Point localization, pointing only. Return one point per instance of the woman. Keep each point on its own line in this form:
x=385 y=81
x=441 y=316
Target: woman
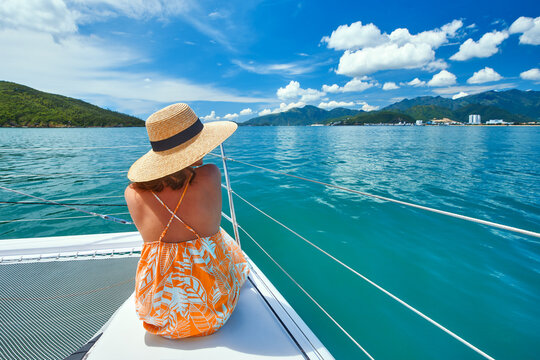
x=189 y=275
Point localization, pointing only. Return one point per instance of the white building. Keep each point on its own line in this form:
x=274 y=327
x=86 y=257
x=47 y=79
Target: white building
x=496 y=122
x=474 y=119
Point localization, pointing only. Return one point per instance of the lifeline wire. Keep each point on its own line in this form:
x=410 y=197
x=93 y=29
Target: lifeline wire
x=104 y=217
x=48 y=203
x=71 y=148
x=418 y=312
x=307 y=294
x=62 y=174
x=442 y=212
x=58 y=218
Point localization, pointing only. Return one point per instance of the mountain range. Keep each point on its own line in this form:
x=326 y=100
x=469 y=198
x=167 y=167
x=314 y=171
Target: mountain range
x=512 y=106
x=306 y=115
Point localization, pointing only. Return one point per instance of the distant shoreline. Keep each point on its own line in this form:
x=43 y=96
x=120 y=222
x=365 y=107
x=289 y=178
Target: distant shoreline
x=68 y=127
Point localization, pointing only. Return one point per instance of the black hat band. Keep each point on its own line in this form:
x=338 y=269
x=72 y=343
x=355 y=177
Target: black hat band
x=178 y=139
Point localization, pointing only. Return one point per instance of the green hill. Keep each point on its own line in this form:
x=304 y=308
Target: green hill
x=306 y=115
x=22 y=106
x=428 y=112
x=514 y=101
x=373 y=117
x=406 y=104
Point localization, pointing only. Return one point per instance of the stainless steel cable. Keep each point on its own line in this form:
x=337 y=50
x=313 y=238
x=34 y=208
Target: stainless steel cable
x=61 y=218
x=418 y=312
x=308 y=295
x=442 y=212
x=102 y=216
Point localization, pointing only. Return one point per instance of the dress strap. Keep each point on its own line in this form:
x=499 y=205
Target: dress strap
x=173 y=213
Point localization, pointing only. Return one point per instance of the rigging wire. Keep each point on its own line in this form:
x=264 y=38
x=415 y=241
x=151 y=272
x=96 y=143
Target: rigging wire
x=308 y=295
x=58 y=218
x=102 y=216
x=442 y=212
x=90 y=198
x=418 y=312
x=62 y=174
x=48 y=203
x=71 y=148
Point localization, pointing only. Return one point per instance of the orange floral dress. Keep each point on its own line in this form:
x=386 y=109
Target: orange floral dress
x=188 y=288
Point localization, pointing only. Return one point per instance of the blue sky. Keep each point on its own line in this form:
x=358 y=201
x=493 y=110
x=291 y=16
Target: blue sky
x=239 y=59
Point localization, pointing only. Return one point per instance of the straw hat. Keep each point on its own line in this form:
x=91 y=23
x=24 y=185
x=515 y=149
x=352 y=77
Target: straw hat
x=178 y=139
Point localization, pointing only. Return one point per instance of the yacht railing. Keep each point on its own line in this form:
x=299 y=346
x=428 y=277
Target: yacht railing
x=229 y=194
x=236 y=226
x=386 y=292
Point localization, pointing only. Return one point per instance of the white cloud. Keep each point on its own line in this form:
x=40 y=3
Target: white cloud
x=293 y=91
x=368 y=51
x=310 y=95
x=190 y=11
x=416 y=82
x=472 y=89
x=529 y=28
x=355 y=36
x=434 y=38
x=366 y=106
x=135 y=9
x=231 y=116
x=485 y=47
x=459 y=95
x=354 y=85
x=282 y=107
x=292 y=68
x=385 y=57
x=532 y=74
x=265 y=112
x=436 y=65
x=487 y=74
x=357 y=85
x=390 y=86
x=285 y=107
x=247 y=111
x=216 y=15
x=358 y=36
x=444 y=78
x=331 y=89
x=211 y=116
x=49 y=16
x=334 y=104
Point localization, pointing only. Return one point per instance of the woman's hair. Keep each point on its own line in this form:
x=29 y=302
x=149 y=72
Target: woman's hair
x=174 y=181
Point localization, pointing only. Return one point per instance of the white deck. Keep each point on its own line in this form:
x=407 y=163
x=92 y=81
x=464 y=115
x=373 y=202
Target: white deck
x=263 y=324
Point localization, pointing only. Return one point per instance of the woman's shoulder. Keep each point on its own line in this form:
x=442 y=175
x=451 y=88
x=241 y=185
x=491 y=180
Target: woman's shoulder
x=208 y=173
x=132 y=195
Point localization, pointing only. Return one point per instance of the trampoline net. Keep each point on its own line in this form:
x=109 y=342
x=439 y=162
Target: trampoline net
x=48 y=310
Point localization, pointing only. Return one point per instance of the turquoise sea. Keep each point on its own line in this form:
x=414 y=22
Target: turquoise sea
x=480 y=282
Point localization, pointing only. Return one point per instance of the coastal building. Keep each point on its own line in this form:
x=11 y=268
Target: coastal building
x=444 y=121
x=475 y=119
x=497 y=122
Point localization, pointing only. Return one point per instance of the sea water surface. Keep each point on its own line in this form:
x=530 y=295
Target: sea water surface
x=480 y=282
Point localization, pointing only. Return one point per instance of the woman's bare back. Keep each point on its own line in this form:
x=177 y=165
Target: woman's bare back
x=200 y=208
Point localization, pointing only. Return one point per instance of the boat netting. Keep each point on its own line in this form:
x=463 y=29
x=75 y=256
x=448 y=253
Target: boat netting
x=48 y=310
